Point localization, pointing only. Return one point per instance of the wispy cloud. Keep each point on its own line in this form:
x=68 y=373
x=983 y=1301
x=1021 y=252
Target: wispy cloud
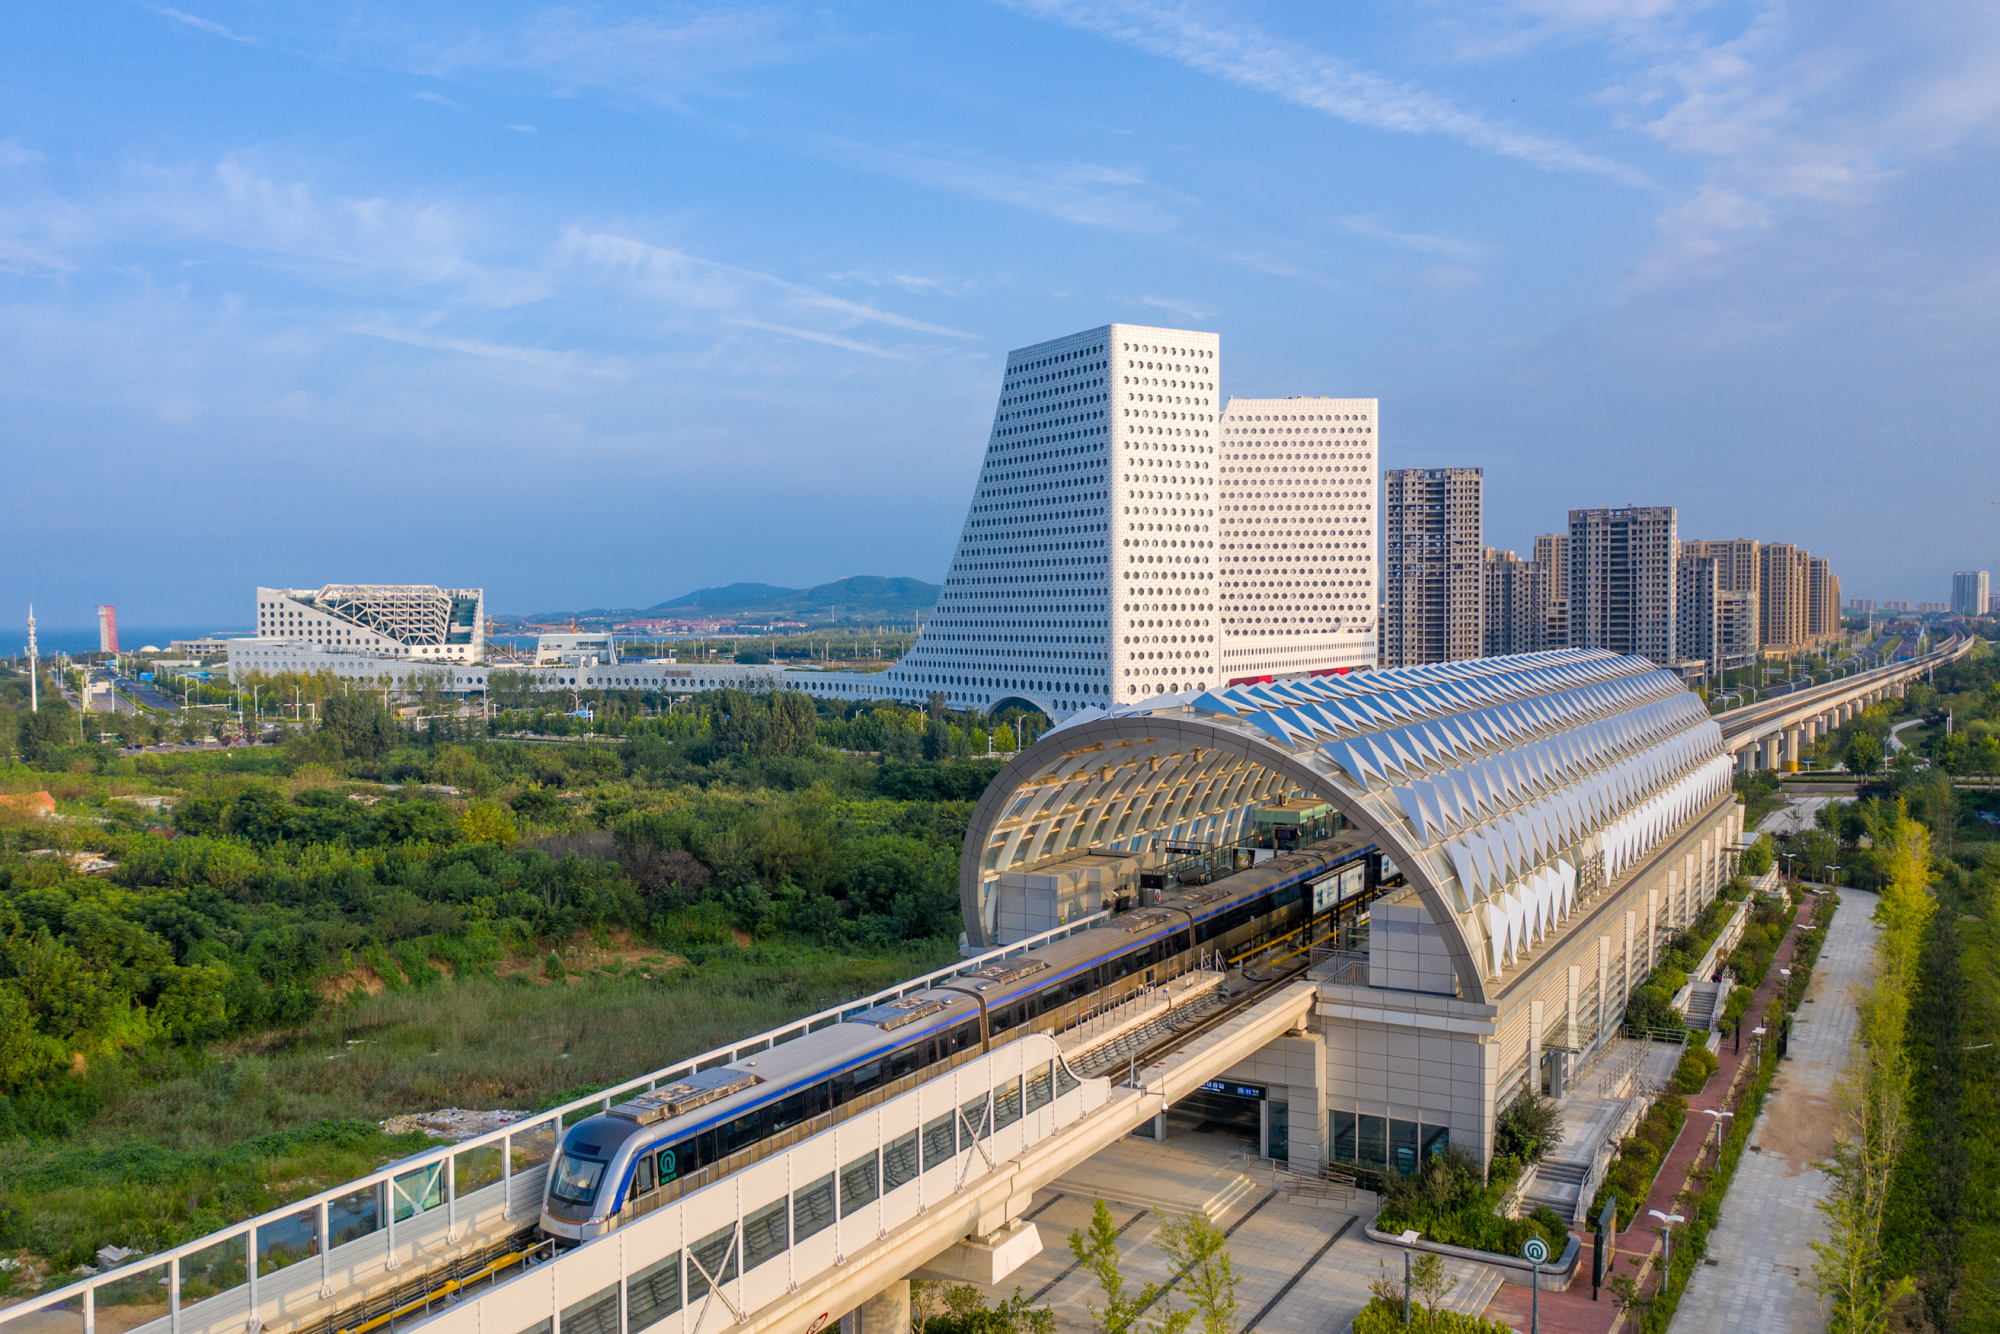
x=1187 y=308
x=542 y=358
x=1372 y=228
x=206 y=25
x=816 y=336
x=1246 y=55
x=16 y=257
x=439 y=98
x=1088 y=193
x=523 y=129
x=14 y=154
x=1450 y=278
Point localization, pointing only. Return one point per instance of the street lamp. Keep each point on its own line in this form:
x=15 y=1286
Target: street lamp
x=1407 y=1238
x=1836 y=873
x=1720 y=1117
x=1666 y=1241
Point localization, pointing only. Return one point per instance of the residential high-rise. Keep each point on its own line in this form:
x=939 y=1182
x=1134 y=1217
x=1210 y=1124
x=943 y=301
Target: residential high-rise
x=1697 y=608
x=1432 y=565
x=1970 y=593
x=1736 y=562
x=1516 y=597
x=1621 y=580
x=1783 y=581
x=107 y=629
x=1086 y=571
x=1735 y=629
x=1552 y=554
x=1822 y=600
x=1297 y=525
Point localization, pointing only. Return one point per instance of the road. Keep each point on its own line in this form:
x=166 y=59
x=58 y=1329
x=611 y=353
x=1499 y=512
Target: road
x=1896 y=742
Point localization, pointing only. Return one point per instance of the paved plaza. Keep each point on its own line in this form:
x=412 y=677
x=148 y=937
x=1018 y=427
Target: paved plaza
x=1759 y=1267
x=1305 y=1262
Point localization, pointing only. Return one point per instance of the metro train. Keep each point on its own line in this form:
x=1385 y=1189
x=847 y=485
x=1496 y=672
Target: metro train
x=657 y=1146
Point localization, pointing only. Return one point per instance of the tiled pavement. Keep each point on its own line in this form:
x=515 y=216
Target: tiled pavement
x=1305 y=1266
x=1573 y=1312
x=1759 y=1256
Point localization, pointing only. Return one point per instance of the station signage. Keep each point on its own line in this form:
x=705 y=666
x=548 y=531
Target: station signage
x=1229 y=1088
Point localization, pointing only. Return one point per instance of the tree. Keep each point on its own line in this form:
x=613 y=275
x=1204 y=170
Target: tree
x=1430 y=1284
x=1121 y=1310
x=360 y=723
x=42 y=735
x=1195 y=1245
x=1529 y=1127
x=1756 y=858
x=487 y=822
x=1864 y=754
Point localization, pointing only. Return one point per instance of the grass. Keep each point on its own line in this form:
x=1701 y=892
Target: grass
x=183 y=1143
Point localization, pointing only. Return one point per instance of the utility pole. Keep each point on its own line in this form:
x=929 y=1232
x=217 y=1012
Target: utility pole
x=34 y=696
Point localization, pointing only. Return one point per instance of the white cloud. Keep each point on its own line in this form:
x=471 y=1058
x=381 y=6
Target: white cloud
x=1450 y=277
x=1248 y=56
x=540 y=358
x=439 y=98
x=14 y=154
x=1187 y=308
x=1371 y=227
x=815 y=336
x=1088 y=193
x=523 y=129
x=206 y=25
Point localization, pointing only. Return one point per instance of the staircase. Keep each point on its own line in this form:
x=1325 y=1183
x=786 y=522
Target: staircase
x=1704 y=999
x=1558 y=1184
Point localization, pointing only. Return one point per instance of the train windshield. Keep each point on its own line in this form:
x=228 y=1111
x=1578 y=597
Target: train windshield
x=574 y=1180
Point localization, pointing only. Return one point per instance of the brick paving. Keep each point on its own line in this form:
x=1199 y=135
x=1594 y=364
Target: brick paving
x=1635 y=1251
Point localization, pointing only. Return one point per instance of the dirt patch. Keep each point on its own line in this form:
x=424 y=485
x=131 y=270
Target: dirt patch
x=1798 y=1125
x=363 y=979
x=618 y=956
x=744 y=940
x=451 y=1123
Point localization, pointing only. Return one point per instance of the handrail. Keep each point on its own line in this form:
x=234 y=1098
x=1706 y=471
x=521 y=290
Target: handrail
x=552 y=1119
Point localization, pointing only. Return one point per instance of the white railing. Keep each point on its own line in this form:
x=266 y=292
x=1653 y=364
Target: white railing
x=388 y=1218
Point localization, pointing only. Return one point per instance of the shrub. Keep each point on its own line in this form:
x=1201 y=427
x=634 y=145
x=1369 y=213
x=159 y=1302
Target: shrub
x=1383 y=1316
x=1649 y=1007
x=1732 y=1013
x=1448 y=1203
x=1639 y=1157
x=1529 y=1127
x=1696 y=1065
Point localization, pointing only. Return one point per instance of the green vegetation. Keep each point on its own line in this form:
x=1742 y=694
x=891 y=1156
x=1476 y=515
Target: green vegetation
x=960 y=1308
x=1697 y=1063
x=1639 y=1157
x=1527 y=1128
x=1384 y=1315
x=1941 y=1224
x=1453 y=1203
x=1650 y=1007
x=300 y=940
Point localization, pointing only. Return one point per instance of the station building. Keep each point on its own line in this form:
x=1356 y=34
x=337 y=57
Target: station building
x=1539 y=827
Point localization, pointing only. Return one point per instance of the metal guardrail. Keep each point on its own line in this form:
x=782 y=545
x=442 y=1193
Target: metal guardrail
x=404 y=1192
x=1751 y=716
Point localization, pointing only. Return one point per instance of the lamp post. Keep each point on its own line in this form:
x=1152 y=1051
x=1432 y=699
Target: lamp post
x=1666 y=1241
x=1720 y=1117
x=1409 y=1236
x=1836 y=873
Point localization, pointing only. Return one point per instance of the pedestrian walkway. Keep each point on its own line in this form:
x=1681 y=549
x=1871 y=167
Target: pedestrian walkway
x=1759 y=1267
x=1635 y=1252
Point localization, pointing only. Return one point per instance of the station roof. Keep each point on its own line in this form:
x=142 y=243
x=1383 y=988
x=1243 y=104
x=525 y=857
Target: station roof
x=1509 y=790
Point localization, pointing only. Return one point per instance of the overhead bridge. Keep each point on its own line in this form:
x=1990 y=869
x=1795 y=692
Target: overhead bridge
x=1774 y=733
x=928 y=1177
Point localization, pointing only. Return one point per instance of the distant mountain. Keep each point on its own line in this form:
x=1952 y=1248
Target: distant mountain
x=860 y=597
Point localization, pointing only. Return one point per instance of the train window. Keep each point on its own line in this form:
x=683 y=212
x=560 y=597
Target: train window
x=1007 y=1104
x=1082 y=984
x=867 y=1076
x=574 y=1180
x=642 y=1176
x=1065 y=1081
x=899 y=1162
x=1039 y=1095
x=907 y=1060
x=974 y=1113
x=812 y=1209
x=765 y=1234
x=742 y=1132
x=860 y=1183
x=940 y=1141
x=653 y=1294
x=959 y=1038
x=593 y=1315
x=1287 y=896
x=711 y=1258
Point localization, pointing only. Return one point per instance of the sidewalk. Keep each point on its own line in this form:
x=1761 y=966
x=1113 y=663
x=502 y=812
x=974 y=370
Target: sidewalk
x=1760 y=1254
x=1573 y=1312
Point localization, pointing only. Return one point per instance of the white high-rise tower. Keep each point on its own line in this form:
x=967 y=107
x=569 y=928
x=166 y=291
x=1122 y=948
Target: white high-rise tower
x=1298 y=529
x=1085 y=573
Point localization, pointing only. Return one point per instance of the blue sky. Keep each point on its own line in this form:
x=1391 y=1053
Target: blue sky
x=596 y=304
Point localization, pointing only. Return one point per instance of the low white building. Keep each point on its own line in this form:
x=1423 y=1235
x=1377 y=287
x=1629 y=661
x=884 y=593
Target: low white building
x=420 y=622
